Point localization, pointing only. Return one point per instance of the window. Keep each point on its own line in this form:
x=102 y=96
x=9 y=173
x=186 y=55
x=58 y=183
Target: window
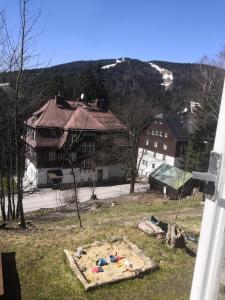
x=59 y=156
x=153 y=166
x=156 y=132
x=83 y=147
x=87 y=164
x=155 y=144
x=144 y=162
x=164 y=146
x=88 y=147
x=164 y=157
x=74 y=138
x=82 y=164
x=154 y=154
x=146 y=151
x=73 y=156
x=160 y=122
x=161 y=133
x=51 y=155
x=31 y=132
x=89 y=133
x=147 y=142
x=166 y=135
x=153 y=132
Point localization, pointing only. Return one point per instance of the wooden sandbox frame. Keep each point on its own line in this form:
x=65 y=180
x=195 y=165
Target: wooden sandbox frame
x=148 y=265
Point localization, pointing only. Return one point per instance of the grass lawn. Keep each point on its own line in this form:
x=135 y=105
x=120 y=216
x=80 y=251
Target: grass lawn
x=40 y=261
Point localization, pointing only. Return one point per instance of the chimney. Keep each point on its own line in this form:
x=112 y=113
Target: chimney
x=60 y=100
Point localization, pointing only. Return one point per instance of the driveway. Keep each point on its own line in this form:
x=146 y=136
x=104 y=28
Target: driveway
x=45 y=198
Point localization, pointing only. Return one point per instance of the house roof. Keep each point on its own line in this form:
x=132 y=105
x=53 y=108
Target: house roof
x=50 y=115
x=174 y=123
x=87 y=119
x=74 y=116
x=171 y=176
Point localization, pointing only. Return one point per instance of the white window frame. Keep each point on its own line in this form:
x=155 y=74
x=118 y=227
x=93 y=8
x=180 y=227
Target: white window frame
x=165 y=146
x=166 y=135
x=155 y=144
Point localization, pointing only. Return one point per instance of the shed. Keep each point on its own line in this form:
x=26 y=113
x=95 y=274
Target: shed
x=171 y=181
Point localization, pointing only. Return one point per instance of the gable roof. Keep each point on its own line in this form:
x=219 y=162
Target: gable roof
x=174 y=123
x=74 y=116
x=171 y=176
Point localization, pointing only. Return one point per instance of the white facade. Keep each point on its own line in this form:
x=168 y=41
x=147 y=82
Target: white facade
x=35 y=177
x=148 y=161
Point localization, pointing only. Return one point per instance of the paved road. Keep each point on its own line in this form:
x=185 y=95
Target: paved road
x=45 y=198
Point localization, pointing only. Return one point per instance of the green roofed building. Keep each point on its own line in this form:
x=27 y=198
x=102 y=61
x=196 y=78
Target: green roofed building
x=171 y=181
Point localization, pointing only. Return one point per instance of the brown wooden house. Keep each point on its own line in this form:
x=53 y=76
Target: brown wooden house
x=69 y=133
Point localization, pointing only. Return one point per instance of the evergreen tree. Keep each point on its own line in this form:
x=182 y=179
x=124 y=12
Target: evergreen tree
x=92 y=84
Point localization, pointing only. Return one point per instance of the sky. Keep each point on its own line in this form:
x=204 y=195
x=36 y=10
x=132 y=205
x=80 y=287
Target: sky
x=171 y=30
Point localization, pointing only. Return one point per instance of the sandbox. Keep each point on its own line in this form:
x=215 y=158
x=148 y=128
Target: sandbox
x=112 y=272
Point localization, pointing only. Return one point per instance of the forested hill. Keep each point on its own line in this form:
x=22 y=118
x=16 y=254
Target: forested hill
x=165 y=89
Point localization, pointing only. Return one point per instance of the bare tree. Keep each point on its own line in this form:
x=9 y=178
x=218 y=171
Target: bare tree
x=15 y=57
x=135 y=113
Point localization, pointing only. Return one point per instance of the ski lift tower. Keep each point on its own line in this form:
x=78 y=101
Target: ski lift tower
x=211 y=248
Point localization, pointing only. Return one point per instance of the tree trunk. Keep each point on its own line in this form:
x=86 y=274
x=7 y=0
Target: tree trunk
x=13 y=198
x=9 y=213
x=132 y=184
x=75 y=195
x=2 y=199
x=20 y=198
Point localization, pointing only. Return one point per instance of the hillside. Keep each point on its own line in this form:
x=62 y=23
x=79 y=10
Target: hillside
x=168 y=91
